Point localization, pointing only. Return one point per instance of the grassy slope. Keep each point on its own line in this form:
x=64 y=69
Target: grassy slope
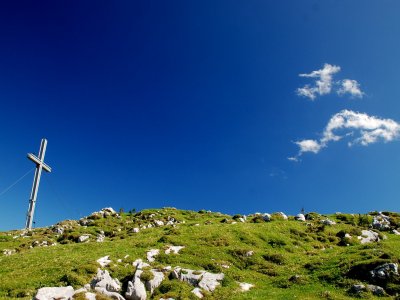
x=281 y=249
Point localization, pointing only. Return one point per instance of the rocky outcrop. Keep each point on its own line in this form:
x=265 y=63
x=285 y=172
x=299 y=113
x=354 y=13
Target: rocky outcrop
x=59 y=293
x=103 y=280
x=381 y=222
x=300 y=217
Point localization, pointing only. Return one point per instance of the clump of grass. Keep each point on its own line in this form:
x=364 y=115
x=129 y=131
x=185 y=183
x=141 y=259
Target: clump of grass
x=275 y=258
x=73 y=279
x=146 y=275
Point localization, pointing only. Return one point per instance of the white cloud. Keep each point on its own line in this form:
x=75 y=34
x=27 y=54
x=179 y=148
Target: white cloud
x=350 y=86
x=309 y=146
x=363 y=129
x=323 y=85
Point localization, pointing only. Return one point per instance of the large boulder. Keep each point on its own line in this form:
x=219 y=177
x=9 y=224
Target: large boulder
x=59 y=293
x=300 y=217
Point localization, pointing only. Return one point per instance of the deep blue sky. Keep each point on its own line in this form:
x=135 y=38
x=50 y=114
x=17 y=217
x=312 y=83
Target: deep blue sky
x=192 y=104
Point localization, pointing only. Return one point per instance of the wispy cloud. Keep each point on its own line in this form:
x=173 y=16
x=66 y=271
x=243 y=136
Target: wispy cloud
x=352 y=87
x=363 y=129
x=324 y=84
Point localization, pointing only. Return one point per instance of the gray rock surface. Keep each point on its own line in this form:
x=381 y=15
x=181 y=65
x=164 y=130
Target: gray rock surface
x=368 y=236
x=59 y=293
x=385 y=271
x=151 y=285
x=300 y=217
x=104 y=280
x=136 y=289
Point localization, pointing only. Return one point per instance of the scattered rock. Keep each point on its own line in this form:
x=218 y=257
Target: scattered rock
x=139 y=264
x=282 y=215
x=249 y=253
x=83 y=238
x=59 y=293
x=104 y=261
x=384 y=272
x=135 y=230
x=112 y=295
x=244 y=287
x=151 y=254
x=205 y=280
x=300 y=217
x=381 y=222
x=395 y=232
x=241 y=220
x=368 y=236
x=174 y=249
x=328 y=222
x=376 y=290
x=266 y=217
x=105 y=281
x=8 y=252
x=136 y=289
x=197 y=293
x=159 y=223
x=100 y=238
x=154 y=283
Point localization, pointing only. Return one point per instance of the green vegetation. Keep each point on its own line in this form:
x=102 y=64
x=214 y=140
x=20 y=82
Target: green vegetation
x=284 y=259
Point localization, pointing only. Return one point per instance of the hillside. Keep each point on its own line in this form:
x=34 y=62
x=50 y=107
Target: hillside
x=259 y=256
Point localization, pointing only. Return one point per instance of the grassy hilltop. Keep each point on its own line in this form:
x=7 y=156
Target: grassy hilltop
x=283 y=259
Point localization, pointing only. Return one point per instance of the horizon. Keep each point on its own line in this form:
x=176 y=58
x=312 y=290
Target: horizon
x=228 y=107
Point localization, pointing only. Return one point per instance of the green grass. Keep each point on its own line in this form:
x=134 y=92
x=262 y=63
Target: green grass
x=282 y=249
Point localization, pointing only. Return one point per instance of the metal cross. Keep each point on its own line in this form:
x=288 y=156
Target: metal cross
x=40 y=165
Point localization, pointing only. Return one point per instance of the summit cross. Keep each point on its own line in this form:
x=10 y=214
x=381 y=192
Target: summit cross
x=40 y=165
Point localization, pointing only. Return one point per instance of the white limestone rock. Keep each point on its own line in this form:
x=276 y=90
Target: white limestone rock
x=368 y=236
x=8 y=252
x=205 y=280
x=104 y=261
x=136 y=230
x=154 y=283
x=282 y=215
x=174 y=249
x=136 y=289
x=159 y=223
x=100 y=238
x=151 y=254
x=328 y=222
x=394 y=231
x=210 y=281
x=300 y=217
x=139 y=264
x=266 y=217
x=381 y=222
x=90 y=296
x=59 y=293
x=104 y=280
x=83 y=238
x=197 y=293
x=112 y=295
x=244 y=287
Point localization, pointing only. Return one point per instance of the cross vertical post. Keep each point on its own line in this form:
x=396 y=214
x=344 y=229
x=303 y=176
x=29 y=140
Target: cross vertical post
x=40 y=165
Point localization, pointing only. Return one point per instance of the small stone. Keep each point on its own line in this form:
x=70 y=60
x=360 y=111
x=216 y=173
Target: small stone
x=244 y=287
x=174 y=249
x=104 y=261
x=83 y=238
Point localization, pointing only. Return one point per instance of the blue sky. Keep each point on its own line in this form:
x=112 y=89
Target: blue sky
x=195 y=104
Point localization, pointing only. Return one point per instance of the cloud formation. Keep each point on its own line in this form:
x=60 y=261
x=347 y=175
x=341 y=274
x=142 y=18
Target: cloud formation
x=351 y=87
x=363 y=129
x=324 y=84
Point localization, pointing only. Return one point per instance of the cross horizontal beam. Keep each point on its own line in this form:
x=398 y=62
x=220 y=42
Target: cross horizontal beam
x=38 y=162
